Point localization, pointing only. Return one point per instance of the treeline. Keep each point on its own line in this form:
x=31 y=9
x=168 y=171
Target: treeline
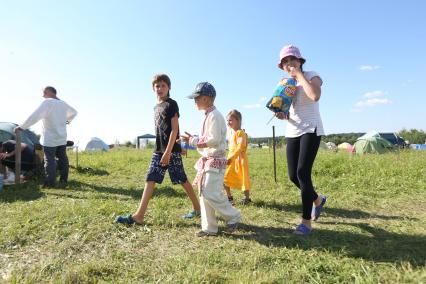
x=335 y=138
x=342 y=137
x=413 y=136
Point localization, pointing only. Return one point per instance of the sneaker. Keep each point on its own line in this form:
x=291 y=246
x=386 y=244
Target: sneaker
x=10 y=179
x=316 y=211
x=230 y=228
x=302 y=229
x=125 y=219
x=202 y=233
x=245 y=201
x=191 y=215
x=231 y=200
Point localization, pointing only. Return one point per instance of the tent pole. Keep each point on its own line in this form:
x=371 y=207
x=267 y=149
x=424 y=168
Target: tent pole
x=275 y=160
x=18 y=158
x=76 y=159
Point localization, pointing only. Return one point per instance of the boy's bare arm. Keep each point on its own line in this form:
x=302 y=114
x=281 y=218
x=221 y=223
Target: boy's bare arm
x=172 y=140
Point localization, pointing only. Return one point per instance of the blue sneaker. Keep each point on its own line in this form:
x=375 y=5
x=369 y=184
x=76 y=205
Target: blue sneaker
x=316 y=211
x=302 y=229
x=126 y=220
x=192 y=215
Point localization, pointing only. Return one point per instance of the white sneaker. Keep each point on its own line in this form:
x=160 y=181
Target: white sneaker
x=10 y=178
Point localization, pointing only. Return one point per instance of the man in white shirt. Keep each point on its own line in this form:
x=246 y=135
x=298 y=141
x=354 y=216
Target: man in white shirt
x=55 y=115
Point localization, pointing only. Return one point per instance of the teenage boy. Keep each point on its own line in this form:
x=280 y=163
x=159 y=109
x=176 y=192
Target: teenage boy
x=167 y=153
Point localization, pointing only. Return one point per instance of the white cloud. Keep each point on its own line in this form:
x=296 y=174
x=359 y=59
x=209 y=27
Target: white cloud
x=369 y=67
x=374 y=94
x=408 y=82
x=372 y=102
x=258 y=104
x=252 y=106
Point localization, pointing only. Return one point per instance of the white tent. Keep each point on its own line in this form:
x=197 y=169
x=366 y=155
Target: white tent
x=95 y=144
x=331 y=146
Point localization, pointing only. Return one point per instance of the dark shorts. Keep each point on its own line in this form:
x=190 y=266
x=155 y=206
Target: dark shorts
x=156 y=172
x=10 y=163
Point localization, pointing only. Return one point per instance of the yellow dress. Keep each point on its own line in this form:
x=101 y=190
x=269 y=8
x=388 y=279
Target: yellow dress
x=237 y=172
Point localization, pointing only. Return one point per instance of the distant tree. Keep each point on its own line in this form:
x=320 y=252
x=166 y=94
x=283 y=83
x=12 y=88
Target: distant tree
x=129 y=144
x=281 y=142
x=342 y=137
x=414 y=136
x=335 y=138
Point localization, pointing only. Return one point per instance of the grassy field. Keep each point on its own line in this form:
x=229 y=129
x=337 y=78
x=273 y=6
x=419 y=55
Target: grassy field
x=373 y=229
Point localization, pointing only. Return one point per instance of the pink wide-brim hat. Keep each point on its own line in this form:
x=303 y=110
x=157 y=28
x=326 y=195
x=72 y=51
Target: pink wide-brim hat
x=290 y=50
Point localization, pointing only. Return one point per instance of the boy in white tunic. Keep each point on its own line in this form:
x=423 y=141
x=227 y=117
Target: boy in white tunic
x=211 y=144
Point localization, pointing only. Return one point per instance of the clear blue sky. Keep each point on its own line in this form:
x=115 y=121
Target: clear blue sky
x=101 y=56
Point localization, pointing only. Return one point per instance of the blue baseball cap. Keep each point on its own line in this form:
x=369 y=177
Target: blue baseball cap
x=203 y=89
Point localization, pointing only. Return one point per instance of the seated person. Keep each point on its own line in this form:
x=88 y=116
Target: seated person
x=7 y=155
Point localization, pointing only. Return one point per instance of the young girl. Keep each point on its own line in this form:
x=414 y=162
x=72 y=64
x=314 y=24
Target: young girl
x=303 y=134
x=237 y=172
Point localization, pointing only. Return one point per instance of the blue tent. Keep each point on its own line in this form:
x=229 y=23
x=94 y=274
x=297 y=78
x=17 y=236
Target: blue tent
x=418 y=146
x=7 y=133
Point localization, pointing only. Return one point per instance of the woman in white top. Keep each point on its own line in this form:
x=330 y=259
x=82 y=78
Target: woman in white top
x=303 y=134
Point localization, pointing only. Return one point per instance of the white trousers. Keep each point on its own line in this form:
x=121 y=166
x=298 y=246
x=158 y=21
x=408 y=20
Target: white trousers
x=212 y=200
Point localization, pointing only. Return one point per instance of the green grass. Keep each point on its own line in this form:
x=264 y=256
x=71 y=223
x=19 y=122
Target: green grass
x=373 y=229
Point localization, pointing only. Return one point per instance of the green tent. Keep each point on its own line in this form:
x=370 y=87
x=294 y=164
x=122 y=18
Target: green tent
x=372 y=144
x=7 y=133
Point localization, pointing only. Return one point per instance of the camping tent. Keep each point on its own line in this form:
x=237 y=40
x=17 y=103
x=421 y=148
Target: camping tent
x=7 y=133
x=331 y=146
x=418 y=146
x=394 y=139
x=345 y=146
x=95 y=144
x=373 y=144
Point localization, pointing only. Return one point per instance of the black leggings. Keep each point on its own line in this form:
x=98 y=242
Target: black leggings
x=301 y=153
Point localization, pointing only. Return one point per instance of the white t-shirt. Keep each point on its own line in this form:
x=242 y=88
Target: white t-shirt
x=54 y=114
x=304 y=113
